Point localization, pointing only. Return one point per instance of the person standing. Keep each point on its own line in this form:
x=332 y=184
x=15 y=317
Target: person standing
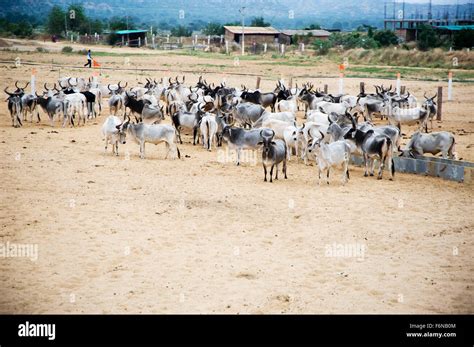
x=89 y=59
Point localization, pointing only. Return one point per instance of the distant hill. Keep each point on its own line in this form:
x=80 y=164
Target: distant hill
x=345 y=14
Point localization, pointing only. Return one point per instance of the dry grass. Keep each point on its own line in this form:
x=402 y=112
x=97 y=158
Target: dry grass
x=436 y=58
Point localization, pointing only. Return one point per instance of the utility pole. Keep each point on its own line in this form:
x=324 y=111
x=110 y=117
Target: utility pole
x=430 y=15
x=242 y=9
x=65 y=22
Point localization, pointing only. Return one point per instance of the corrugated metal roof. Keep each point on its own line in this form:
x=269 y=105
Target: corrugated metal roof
x=455 y=27
x=252 y=30
x=315 y=32
x=125 y=32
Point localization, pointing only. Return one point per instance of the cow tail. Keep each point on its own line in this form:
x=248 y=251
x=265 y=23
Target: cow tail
x=390 y=154
x=452 y=147
x=208 y=136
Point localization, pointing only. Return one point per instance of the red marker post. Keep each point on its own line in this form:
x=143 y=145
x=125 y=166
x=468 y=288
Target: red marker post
x=341 y=78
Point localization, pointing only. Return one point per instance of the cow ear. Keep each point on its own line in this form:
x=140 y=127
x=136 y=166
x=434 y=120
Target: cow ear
x=273 y=143
x=260 y=143
x=118 y=126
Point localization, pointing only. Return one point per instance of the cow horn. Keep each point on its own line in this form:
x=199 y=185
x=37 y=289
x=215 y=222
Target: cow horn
x=354 y=124
x=322 y=135
x=330 y=120
x=55 y=88
x=6 y=91
x=46 y=86
x=434 y=96
x=16 y=85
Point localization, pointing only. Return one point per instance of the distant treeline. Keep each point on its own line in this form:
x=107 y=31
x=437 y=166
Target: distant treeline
x=74 y=20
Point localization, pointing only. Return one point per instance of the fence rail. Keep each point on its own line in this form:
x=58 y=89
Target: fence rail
x=452 y=170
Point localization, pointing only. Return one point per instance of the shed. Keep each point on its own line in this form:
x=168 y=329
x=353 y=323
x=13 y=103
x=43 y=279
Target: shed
x=132 y=38
x=257 y=35
x=287 y=36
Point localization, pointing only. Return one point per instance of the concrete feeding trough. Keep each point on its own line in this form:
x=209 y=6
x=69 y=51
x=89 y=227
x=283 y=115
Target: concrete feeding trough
x=453 y=170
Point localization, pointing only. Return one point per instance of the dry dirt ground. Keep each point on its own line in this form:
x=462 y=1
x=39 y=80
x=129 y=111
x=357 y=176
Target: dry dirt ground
x=197 y=235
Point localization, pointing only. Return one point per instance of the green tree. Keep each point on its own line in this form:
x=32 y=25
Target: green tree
x=181 y=30
x=213 y=29
x=463 y=39
x=259 y=22
x=313 y=27
x=96 y=26
x=322 y=46
x=385 y=38
x=117 y=23
x=55 y=21
x=76 y=18
x=427 y=38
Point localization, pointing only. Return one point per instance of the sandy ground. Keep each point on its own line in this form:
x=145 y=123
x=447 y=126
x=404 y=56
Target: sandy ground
x=124 y=235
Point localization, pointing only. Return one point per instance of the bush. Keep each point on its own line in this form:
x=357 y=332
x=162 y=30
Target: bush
x=322 y=46
x=353 y=40
x=67 y=49
x=41 y=50
x=463 y=39
x=112 y=39
x=427 y=38
x=385 y=38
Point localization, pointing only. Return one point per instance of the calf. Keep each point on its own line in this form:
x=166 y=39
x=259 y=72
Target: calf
x=111 y=133
x=330 y=155
x=432 y=108
x=274 y=152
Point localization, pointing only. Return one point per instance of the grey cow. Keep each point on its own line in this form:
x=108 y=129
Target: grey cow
x=151 y=133
x=274 y=153
x=239 y=139
x=247 y=114
x=434 y=143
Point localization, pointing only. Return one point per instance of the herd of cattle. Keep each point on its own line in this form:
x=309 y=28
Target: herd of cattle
x=335 y=126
